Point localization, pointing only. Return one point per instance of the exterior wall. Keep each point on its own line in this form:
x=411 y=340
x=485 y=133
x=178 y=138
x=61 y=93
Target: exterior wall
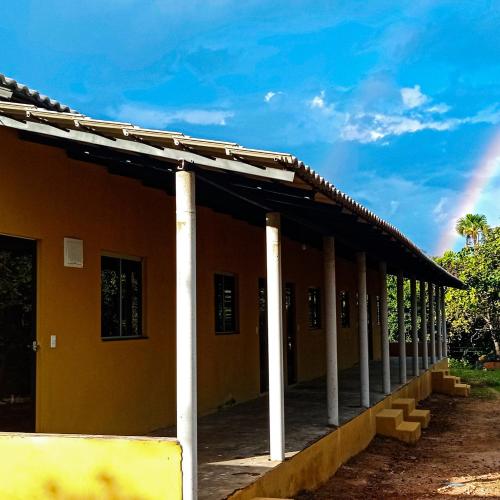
x=54 y=466
x=87 y=385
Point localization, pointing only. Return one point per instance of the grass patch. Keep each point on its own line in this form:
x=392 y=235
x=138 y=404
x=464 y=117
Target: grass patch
x=485 y=384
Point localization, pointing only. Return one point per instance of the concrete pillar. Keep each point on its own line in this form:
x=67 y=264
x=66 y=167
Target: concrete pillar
x=275 y=337
x=423 y=326
x=401 y=328
x=186 y=329
x=443 y=314
x=414 y=330
x=364 y=367
x=384 y=327
x=432 y=328
x=439 y=324
x=332 y=383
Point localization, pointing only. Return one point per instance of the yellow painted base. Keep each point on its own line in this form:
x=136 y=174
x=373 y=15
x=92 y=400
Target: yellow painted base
x=41 y=466
x=314 y=465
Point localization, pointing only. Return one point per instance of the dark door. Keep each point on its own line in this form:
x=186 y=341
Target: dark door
x=263 y=349
x=370 y=327
x=17 y=334
x=291 y=333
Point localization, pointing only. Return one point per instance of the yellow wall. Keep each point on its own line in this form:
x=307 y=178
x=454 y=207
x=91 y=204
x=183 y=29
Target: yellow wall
x=87 y=385
x=84 y=467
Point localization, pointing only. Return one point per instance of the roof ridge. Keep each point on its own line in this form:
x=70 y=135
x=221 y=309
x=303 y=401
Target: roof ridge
x=21 y=91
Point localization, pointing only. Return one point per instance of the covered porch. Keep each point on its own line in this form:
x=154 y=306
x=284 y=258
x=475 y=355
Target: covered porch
x=233 y=443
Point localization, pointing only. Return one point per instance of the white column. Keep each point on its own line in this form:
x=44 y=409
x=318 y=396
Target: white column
x=364 y=368
x=439 y=323
x=443 y=314
x=401 y=328
x=332 y=383
x=186 y=329
x=423 y=325
x=432 y=329
x=384 y=315
x=414 y=330
x=275 y=337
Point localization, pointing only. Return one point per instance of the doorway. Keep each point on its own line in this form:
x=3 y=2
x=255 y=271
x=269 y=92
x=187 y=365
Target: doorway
x=263 y=346
x=291 y=333
x=370 y=328
x=17 y=334
x=290 y=329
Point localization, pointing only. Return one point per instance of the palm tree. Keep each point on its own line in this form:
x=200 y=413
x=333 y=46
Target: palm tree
x=473 y=227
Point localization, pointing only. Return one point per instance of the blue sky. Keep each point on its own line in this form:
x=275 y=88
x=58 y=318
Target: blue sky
x=394 y=102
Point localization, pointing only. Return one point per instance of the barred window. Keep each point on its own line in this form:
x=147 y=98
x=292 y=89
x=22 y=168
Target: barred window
x=314 y=303
x=345 y=311
x=378 y=309
x=121 y=298
x=226 y=314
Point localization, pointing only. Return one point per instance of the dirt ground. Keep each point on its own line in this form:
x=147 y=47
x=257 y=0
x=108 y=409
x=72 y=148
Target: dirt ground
x=458 y=456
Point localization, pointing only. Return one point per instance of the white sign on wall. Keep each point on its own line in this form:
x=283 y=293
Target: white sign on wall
x=73 y=252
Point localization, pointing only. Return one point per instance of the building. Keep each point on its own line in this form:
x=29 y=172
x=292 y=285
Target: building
x=264 y=272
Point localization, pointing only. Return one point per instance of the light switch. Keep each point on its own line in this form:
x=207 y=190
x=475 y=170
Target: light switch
x=53 y=341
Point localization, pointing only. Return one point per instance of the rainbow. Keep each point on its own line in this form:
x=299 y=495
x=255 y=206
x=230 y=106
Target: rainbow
x=487 y=168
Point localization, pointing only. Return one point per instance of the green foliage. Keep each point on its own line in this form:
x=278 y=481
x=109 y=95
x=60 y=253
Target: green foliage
x=473 y=227
x=460 y=364
x=392 y=306
x=474 y=313
x=485 y=383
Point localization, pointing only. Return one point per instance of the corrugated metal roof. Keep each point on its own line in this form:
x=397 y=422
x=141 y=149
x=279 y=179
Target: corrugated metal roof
x=22 y=93
x=232 y=152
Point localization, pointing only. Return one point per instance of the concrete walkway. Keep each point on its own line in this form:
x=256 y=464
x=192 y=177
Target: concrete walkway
x=234 y=442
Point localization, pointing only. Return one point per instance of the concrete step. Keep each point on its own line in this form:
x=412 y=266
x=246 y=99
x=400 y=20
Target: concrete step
x=448 y=384
x=423 y=417
x=410 y=413
x=390 y=423
x=405 y=404
x=437 y=378
x=408 y=432
x=462 y=390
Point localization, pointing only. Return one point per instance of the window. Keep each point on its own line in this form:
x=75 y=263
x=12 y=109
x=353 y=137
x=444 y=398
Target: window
x=378 y=309
x=345 y=313
x=314 y=303
x=226 y=320
x=121 y=298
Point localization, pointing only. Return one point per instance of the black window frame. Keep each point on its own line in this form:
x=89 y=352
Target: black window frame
x=345 y=309
x=378 y=311
x=314 y=319
x=222 y=324
x=129 y=316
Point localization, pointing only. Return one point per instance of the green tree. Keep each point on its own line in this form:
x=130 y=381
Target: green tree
x=473 y=227
x=392 y=306
x=474 y=313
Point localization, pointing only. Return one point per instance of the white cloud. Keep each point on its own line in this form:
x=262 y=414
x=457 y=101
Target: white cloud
x=371 y=127
x=413 y=97
x=439 y=211
x=394 y=205
x=269 y=95
x=439 y=108
x=318 y=101
x=159 y=118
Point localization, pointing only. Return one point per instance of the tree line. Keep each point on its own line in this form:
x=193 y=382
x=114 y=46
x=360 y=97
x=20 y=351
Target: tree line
x=472 y=314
